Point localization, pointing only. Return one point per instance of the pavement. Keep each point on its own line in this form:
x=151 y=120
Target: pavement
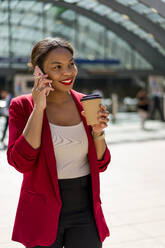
x=132 y=188
x=127 y=129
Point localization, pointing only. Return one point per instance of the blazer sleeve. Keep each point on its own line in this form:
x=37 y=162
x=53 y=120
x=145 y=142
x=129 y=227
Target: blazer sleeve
x=103 y=164
x=20 y=154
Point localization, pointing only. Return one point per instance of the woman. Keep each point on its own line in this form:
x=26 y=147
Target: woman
x=142 y=106
x=59 y=155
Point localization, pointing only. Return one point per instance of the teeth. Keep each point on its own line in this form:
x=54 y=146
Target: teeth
x=67 y=81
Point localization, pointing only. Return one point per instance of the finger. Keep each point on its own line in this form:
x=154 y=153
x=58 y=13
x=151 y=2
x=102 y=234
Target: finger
x=42 y=88
x=97 y=128
x=103 y=119
x=38 y=79
x=105 y=113
x=37 y=71
x=43 y=83
x=103 y=125
x=46 y=89
x=47 y=94
x=41 y=76
x=83 y=113
x=102 y=107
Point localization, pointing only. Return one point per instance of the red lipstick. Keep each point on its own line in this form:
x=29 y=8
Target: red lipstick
x=67 y=81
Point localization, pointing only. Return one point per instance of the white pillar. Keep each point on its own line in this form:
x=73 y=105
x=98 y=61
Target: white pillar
x=114 y=106
x=164 y=106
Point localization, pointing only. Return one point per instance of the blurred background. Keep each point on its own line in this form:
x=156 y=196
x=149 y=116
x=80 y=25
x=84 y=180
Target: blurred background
x=120 y=54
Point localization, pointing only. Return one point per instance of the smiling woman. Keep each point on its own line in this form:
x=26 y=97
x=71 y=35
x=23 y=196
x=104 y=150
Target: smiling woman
x=60 y=155
x=55 y=58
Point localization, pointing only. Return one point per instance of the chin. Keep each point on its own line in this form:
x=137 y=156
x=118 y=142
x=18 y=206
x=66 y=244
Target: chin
x=67 y=87
x=63 y=89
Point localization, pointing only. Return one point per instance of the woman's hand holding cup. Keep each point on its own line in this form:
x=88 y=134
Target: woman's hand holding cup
x=95 y=113
x=103 y=121
x=102 y=117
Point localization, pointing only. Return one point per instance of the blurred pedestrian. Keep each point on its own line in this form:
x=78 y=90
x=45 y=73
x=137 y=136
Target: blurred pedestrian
x=156 y=98
x=59 y=154
x=7 y=96
x=142 y=106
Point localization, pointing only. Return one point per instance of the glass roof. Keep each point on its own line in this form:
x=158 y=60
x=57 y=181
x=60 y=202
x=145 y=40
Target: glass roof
x=23 y=23
x=122 y=20
x=142 y=9
x=94 y=48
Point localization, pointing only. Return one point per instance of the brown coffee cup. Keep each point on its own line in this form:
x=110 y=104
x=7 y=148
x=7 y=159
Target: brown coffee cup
x=91 y=105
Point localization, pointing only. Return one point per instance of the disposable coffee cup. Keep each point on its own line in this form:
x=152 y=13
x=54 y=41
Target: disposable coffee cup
x=91 y=105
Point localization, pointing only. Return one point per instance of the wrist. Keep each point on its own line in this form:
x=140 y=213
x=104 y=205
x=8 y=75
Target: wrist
x=37 y=109
x=97 y=136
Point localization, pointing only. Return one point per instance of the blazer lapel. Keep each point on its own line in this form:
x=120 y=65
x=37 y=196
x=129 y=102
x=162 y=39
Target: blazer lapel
x=91 y=148
x=50 y=155
x=48 y=151
x=76 y=97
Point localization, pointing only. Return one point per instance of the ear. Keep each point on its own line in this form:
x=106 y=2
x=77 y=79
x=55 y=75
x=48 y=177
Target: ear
x=37 y=71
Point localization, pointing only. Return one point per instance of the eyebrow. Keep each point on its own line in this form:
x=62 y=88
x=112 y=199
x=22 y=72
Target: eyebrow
x=56 y=62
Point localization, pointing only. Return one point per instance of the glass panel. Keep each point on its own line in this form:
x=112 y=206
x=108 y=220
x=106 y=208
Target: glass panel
x=128 y=24
x=141 y=8
x=156 y=18
x=27 y=28
x=127 y=2
x=144 y=10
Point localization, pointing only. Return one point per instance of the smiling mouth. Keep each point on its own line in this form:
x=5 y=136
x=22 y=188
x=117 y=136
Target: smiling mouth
x=67 y=82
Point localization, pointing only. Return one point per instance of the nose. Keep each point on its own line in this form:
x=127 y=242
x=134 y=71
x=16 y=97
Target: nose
x=68 y=71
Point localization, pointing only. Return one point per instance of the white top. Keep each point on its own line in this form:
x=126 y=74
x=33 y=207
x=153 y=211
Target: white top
x=71 y=149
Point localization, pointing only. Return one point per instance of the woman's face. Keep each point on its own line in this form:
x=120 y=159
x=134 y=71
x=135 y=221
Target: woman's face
x=60 y=67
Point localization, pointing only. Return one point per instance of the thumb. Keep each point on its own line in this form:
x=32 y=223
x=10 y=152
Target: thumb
x=82 y=113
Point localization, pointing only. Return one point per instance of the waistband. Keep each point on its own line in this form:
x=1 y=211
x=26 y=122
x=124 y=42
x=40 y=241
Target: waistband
x=74 y=182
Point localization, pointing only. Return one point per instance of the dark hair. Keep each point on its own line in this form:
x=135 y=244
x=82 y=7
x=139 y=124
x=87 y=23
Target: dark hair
x=43 y=47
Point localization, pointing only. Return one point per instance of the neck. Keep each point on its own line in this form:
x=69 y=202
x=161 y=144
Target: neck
x=58 y=97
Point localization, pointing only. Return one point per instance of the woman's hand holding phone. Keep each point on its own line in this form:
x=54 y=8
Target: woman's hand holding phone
x=41 y=89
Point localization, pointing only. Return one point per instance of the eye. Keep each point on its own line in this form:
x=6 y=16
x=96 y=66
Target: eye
x=57 y=67
x=72 y=64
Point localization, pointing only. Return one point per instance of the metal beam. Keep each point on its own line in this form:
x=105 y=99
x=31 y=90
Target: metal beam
x=156 y=59
x=85 y=74
x=121 y=73
x=156 y=4
x=141 y=20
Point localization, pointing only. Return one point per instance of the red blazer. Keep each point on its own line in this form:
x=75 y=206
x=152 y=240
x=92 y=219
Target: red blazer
x=39 y=204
